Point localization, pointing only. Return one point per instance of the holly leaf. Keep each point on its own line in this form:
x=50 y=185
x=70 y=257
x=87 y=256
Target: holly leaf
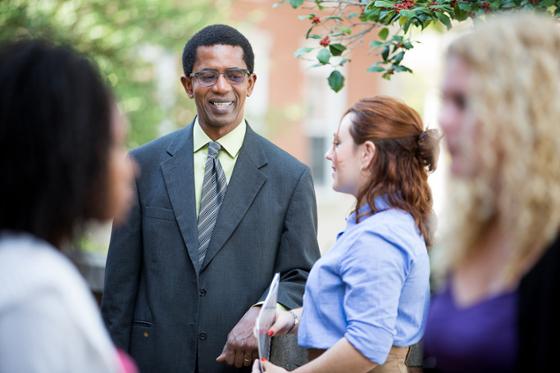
x=296 y=3
x=403 y=21
x=464 y=6
x=408 y=23
x=444 y=19
x=383 y=33
x=398 y=58
x=337 y=49
x=324 y=56
x=302 y=51
x=375 y=68
x=461 y=15
x=401 y=68
x=383 y=4
x=407 y=13
x=388 y=17
x=336 y=81
x=385 y=53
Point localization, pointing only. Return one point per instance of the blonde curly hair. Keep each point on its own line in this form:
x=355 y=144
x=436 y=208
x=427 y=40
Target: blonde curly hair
x=514 y=59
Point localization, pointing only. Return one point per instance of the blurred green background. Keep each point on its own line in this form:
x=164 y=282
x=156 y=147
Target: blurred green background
x=129 y=40
x=137 y=45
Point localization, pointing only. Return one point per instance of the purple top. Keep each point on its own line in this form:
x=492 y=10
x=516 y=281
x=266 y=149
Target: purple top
x=477 y=338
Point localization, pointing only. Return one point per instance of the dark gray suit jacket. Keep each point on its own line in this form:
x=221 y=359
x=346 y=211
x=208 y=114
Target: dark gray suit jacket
x=170 y=317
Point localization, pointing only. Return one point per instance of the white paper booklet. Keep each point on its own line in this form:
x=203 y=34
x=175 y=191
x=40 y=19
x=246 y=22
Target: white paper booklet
x=266 y=318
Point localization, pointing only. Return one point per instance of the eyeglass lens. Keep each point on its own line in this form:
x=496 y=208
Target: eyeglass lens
x=210 y=77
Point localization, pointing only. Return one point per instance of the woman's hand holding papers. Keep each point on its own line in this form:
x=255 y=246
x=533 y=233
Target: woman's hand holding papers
x=286 y=322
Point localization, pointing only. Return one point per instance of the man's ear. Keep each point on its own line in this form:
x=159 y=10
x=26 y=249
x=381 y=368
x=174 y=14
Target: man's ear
x=186 y=82
x=368 y=152
x=251 y=80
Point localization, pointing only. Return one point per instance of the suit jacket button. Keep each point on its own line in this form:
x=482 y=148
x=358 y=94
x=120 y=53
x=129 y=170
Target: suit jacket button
x=146 y=334
x=202 y=292
x=202 y=336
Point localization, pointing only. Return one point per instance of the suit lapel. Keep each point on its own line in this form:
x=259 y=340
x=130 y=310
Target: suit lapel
x=178 y=173
x=245 y=183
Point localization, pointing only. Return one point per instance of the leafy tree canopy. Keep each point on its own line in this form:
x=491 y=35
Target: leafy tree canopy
x=340 y=25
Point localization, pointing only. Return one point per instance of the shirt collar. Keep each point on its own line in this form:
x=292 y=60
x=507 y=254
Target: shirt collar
x=231 y=142
x=381 y=204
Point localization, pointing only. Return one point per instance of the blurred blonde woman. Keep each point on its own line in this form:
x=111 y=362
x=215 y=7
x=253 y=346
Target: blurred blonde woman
x=501 y=119
x=366 y=299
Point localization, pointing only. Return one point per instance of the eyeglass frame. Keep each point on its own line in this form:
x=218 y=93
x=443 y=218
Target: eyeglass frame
x=197 y=73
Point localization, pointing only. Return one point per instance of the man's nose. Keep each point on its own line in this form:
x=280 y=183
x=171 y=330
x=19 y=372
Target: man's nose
x=221 y=85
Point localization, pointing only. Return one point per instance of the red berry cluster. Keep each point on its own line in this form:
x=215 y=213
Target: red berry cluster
x=486 y=6
x=434 y=3
x=325 y=41
x=452 y=3
x=315 y=20
x=404 y=4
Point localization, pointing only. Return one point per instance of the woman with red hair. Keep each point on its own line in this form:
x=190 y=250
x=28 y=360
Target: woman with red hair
x=366 y=299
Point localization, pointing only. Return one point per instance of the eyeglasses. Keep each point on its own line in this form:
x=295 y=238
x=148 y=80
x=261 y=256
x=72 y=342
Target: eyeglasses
x=209 y=77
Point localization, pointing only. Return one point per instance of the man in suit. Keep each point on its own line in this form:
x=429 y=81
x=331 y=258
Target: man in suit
x=218 y=211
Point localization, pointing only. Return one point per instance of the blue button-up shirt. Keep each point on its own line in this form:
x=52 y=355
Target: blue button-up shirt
x=371 y=287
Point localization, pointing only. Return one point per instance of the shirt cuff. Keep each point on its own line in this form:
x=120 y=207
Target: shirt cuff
x=375 y=345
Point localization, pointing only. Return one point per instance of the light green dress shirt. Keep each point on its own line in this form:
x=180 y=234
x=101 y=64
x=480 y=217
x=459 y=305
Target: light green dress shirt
x=231 y=144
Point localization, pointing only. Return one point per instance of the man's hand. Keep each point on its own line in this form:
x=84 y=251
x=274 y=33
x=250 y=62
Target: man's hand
x=241 y=346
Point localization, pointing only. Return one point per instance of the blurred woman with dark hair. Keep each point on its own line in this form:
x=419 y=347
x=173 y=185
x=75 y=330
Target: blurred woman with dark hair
x=366 y=299
x=63 y=163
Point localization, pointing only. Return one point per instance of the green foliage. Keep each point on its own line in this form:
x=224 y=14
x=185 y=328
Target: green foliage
x=336 y=49
x=393 y=20
x=296 y=3
x=336 y=80
x=113 y=33
x=324 y=56
x=302 y=51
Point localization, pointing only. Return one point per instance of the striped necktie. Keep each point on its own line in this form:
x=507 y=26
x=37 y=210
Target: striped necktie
x=212 y=195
